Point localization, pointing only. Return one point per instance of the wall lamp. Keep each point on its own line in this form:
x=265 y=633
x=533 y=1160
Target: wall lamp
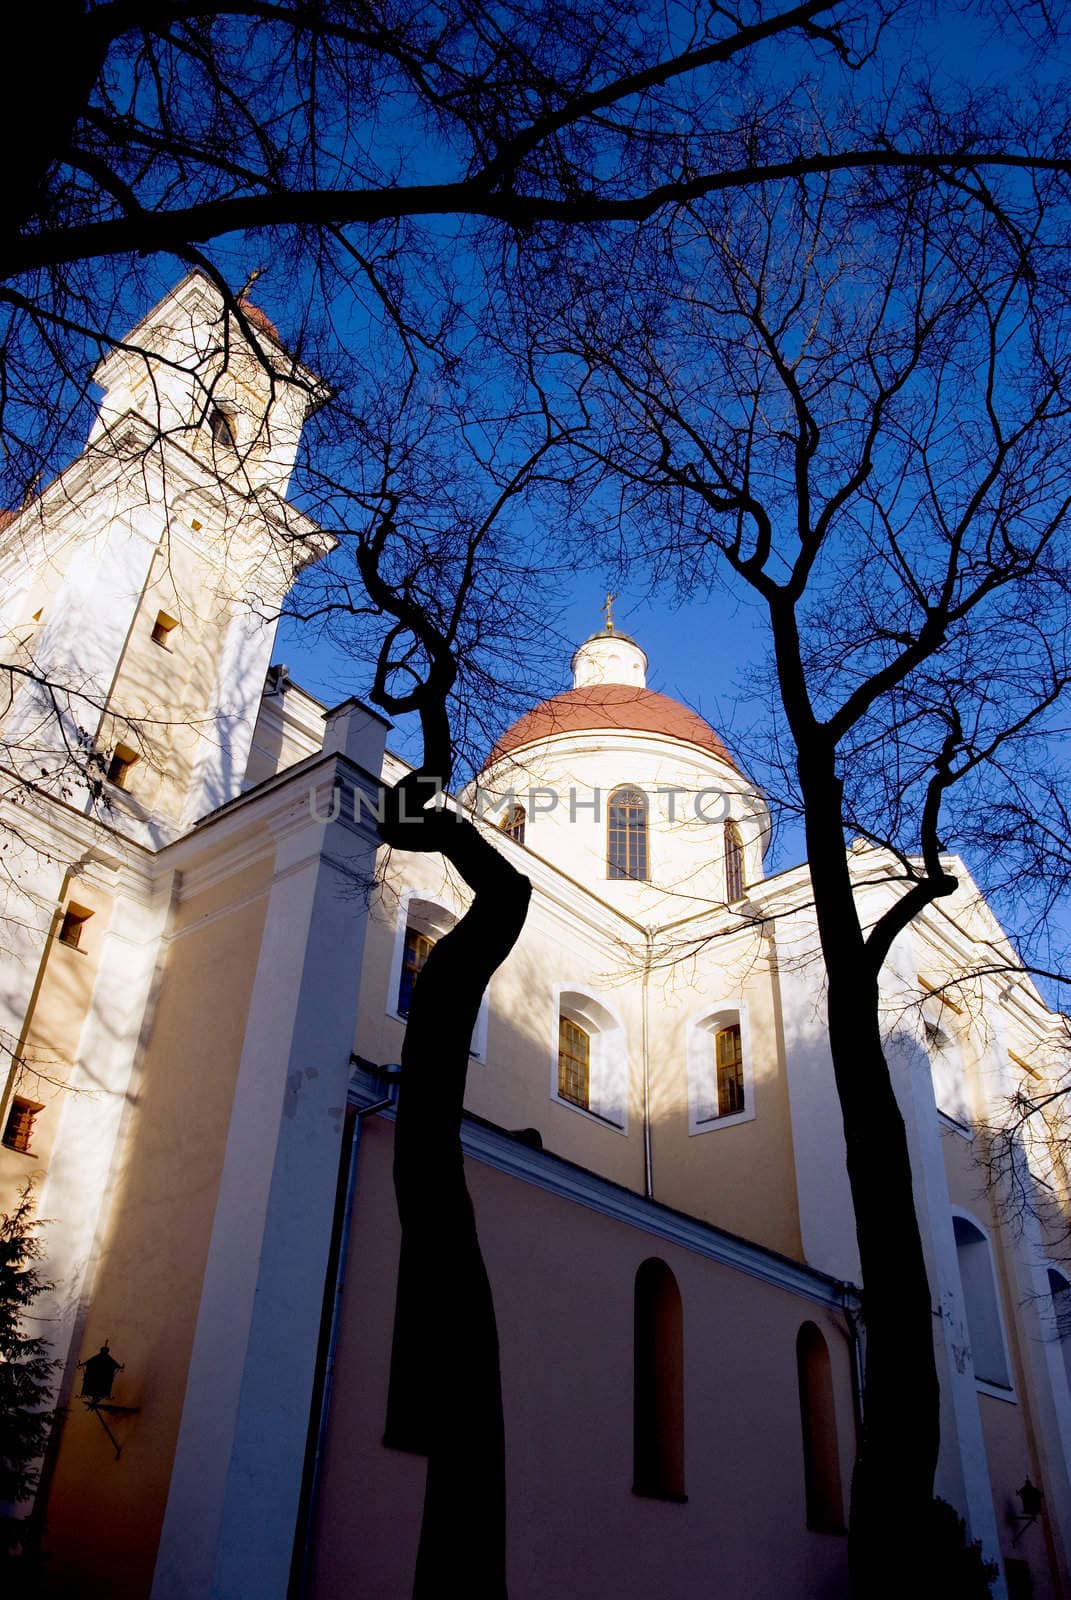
x=98 y=1375
x=1031 y=1499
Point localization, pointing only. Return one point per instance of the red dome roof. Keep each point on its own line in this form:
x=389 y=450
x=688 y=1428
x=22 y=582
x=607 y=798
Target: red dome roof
x=608 y=706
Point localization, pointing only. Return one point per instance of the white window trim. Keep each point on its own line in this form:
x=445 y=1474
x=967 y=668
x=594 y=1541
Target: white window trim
x=702 y=1070
x=450 y=917
x=609 y=1052
x=998 y=1391
x=934 y=1013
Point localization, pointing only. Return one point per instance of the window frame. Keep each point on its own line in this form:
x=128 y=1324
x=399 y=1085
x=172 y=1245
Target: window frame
x=702 y=1032
x=78 y=916
x=433 y=919
x=582 y=1061
x=609 y=1074
x=989 y=1386
x=223 y=412
x=32 y=1109
x=513 y=824
x=613 y=875
x=127 y=762
x=733 y=843
x=162 y=629
x=941 y=1042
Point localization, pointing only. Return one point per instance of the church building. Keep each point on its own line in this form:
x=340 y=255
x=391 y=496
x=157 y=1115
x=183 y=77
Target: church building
x=208 y=959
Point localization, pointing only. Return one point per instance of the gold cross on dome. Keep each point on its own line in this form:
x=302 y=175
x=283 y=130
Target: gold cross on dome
x=610 y=598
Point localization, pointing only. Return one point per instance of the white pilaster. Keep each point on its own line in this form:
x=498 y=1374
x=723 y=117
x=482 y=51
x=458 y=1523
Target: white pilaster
x=230 y=1518
x=823 y=1191
x=963 y=1468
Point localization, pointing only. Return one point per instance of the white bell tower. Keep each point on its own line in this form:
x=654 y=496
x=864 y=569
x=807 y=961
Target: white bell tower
x=140 y=587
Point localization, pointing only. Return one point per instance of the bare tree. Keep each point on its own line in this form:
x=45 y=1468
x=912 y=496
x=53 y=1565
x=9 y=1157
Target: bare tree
x=427 y=585
x=852 y=400
x=326 y=135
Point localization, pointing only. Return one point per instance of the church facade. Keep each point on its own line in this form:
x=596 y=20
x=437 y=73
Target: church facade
x=208 y=962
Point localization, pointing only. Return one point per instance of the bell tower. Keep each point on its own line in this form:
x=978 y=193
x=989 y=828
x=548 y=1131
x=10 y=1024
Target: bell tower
x=141 y=587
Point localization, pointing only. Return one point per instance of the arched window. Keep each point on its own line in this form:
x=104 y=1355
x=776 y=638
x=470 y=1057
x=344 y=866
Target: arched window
x=980 y=1304
x=658 y=1377
x=821 y=1456
x=734 y=863
x=626 y=835
x=720 y=1086
x=513 y=823
x=946 y=1060
x=591 y=1060
x=1060 y=1290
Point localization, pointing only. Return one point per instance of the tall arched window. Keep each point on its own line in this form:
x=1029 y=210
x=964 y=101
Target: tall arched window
x=980 y=1304
x=626 y=835
x=658 y=1396
x=1060 y=1290
x=513 y=823
x=591 y=1059
x=734 y=863
x=821 y=1456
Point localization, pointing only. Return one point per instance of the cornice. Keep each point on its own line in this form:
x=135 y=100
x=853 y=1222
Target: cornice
x=496 y=1148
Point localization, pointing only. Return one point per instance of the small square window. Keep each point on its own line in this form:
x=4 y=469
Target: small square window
x=221 y=427
x=163 y=628
x=120 y=765
x=70 y=929
x=18 y=1130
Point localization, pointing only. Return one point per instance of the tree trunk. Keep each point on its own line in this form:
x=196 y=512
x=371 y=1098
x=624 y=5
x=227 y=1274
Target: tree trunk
x=892 y=1487
x=446 y=1340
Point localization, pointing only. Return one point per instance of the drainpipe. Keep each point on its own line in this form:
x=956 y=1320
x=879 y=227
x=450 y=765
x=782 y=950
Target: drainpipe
x=648 y=1172
x=849 y=1300
x=325 y=1361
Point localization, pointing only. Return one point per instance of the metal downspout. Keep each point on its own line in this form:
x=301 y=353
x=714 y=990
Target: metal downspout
x=648 y=1171
x=299 y=1587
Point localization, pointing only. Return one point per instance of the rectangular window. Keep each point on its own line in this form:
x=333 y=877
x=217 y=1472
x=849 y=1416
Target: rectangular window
x=729 y=1059
x=121 y=765
x=19 y=1128
x=418 y=948
x=574 y=1063
x=70 y=929
x=163 y=628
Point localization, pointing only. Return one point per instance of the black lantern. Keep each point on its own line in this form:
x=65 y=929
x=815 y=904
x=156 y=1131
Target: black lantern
x=98 y=1375
x=1031 y=1499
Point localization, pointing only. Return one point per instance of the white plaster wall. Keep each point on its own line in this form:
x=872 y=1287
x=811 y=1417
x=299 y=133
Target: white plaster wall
x=826 y=1212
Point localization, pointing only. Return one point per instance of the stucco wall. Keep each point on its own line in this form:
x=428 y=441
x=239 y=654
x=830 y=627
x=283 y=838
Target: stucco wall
x=563 y=1279
x=105 y=1514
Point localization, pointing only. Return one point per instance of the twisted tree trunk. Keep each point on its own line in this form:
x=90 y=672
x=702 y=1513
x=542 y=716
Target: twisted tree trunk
x=446 y=1336
x=891 y=1519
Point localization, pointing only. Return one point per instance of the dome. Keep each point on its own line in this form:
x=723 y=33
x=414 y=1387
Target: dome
x=611 y=706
